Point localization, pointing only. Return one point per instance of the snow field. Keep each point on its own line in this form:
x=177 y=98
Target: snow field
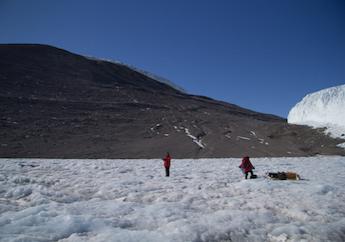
x=203 y=200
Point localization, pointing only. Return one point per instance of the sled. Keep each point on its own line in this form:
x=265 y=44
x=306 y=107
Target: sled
x=283 y=176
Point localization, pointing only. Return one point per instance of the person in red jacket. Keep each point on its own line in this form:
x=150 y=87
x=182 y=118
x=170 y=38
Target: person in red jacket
x=247 y=167
x=167 y=160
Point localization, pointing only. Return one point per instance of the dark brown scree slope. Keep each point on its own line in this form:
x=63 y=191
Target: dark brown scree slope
x=56 y=104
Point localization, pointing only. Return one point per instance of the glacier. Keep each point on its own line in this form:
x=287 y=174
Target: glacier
x=324 y=108
x=203 y=200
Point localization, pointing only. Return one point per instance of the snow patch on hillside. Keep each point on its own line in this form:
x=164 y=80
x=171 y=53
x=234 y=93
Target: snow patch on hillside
x=195 y=139
x=325 y=108
x=242 y=137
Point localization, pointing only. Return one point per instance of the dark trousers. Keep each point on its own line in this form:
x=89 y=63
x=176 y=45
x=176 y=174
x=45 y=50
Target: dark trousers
x=167 y=172
x=251 y=174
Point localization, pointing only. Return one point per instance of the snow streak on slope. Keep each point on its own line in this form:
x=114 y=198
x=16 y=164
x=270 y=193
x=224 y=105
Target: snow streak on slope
x=157 y=78
x=203 y=200
x=325 y=108
x=146 y=73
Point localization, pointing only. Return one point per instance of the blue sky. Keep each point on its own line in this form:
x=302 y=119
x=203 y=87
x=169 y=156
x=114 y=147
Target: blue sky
x=263 y=55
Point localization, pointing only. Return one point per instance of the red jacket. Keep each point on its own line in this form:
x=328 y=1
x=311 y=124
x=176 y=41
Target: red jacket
x=167 y=160
x=246 y=165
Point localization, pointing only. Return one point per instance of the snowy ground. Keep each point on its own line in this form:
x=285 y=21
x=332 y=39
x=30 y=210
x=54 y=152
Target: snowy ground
x=203 y=200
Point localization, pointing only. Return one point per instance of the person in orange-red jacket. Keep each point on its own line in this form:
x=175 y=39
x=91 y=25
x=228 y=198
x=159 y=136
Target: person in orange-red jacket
x=247 y=167
x=167 y=160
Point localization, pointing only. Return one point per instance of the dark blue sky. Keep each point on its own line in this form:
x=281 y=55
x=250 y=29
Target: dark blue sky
x=263 y=55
